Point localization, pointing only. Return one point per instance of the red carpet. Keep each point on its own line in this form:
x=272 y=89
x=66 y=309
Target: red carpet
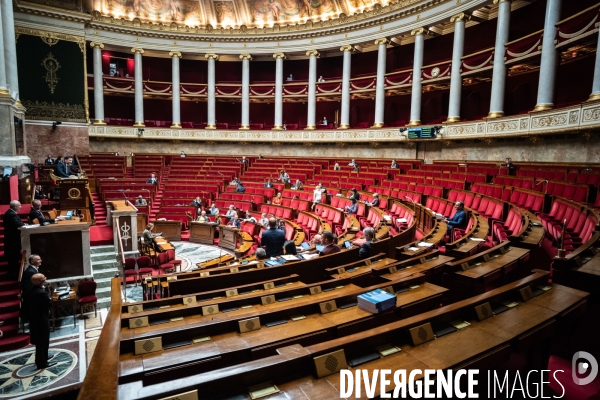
x=101 y=235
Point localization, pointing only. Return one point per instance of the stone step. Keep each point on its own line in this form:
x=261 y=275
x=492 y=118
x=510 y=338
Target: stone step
x=103 y=283
x=102 y=249
x=102 y=256
x=104 y=264
x=105 y=273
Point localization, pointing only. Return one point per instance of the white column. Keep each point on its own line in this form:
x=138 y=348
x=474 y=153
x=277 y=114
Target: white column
x=345 y=117
x=211 y=124
x=545 y=97
x=415 y=98
x=3 y=84
x=98 y=84
x=499 y=74
x=455 y=77
x=245 y=90
x=596 y=84
x=138 y=87
x=380 y=83
x=312 y=89
x=175 y=87
x=10 y=49
x=278 y=124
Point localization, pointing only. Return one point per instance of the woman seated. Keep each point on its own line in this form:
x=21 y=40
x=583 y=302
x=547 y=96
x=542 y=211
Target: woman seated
x=298 y=185
x=277 y=200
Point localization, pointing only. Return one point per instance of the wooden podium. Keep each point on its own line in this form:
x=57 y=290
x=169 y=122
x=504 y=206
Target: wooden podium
x=201 y=232
x=75 y=195
x=123 y=217
x=171 y=230
x=229 y=237
x=64 y=248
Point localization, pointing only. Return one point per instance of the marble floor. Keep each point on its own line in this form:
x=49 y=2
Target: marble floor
x=70 y=347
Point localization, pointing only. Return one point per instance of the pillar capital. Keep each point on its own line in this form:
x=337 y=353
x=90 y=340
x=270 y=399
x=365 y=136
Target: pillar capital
x=419 y=31
x=174 y=54
x=313 y=53
x=502 y=1
x=97 y=44
x=245 y=57
x=211 y=56
x=279 y=55
x=346 y=48
x=137 y=50
x=463 y=16
x=382 y=41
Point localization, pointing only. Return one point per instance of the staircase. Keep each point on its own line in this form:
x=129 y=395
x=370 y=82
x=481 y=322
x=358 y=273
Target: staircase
x=159 y=193
x=104 y=267
x=99 y=209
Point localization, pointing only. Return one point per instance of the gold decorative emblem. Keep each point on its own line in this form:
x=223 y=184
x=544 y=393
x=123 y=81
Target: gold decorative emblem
x=51 y=66
x=435 y=72
x=74 y=194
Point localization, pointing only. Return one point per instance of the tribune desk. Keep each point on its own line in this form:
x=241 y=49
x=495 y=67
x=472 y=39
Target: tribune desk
x=122 y=215
x=64 y=247
x=201 y=232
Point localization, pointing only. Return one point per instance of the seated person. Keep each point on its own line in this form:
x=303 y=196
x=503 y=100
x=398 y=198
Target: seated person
x=36 y=213
x=148 y=235
x=235 y=222
x=353 y=163
x=375 y=202
x=328 y=242
x=140 y=201
x=290 y=78
x=39 y=193
x=261 y=254
x=240 y=188
x=182 y=154
x=511 y=167
x=264 y=221
x=244 y=160
x=352 y=208
x=281 y=224
x=289 y=247
x=459 y=220
x=337 y=167
x=284 y=177
x=394 y=164
x=298 y=185
x=365 y=249
x=235 y=181
x=231 y=213
x=269 y=183
x=213 y=210
x=277 y=200
x=217 y=217
x=324 y=122
x=317 y=239
x=203 y=217
x=353 y=194
x=63 y=169
x=249 y=217
x=49 y=160
x=317 y=196
x=152 y=180
x=197 y=202
x=321 y=79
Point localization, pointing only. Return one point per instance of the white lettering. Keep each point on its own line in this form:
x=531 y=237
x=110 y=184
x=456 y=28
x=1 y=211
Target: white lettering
x=383 y=382
x=457 y=392
x=517 y=378
x=357 y=381
x=473 y=383
x=444 y=383
x=504 y=383
x=400 y=384
x=534 y=383
x=370 y=384
x=557 y=381
x=427 y=382
x=346 y=391
x=415 y=386
x=542 y=383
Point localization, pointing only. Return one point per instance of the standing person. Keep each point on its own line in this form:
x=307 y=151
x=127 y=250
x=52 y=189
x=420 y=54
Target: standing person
x=337 y=167
x=284 y=177
x=273 y=239
x=394 y=164
x=511 y=167
x=317 y=196
x=12 y=238
x=39 y=304
x=35 y=262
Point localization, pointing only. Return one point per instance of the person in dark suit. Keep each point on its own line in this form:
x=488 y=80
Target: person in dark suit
x=273 y=239
x=12 y=238
x=328 y=242
x=354 y=194
x=394 y=164
x=152 y=180
x=459 y=219
x=511 y=167
x=35 y=262
x=49 y=160
x=269 y=183
x=36 y=213
x=39 y=193
x=375 y=202
x=39 y=304
x=240 y=188
x=365 y=249
x=63 y=169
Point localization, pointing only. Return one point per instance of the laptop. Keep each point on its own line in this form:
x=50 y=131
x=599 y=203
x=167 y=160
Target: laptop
x=69 y=215
x=319 y=247
x=347 y=244
x=305 y=245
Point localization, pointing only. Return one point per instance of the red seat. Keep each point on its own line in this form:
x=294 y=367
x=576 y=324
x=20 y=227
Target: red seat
x=87 y=296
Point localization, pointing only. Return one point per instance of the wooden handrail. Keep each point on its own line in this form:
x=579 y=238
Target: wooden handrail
x=102 y=378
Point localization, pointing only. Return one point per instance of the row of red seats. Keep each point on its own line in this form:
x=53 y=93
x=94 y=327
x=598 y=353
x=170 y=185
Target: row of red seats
x=368 y=197
x=372 y=220
x=301 y=194
x=331 y=215
x=441 y=206
x=296 y=204
x=512 y=225
x=268 y=193
x=277 y=211
x=527 y=199
x=567 y=190
x=579 y=226
x=561 y=175
x=402 y=217
x=223 y=205
x=310 y=224
x=518 y=182
x=489 y=189
x=253 y=198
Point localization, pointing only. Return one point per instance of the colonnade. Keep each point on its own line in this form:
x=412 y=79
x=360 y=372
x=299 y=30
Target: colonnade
x=9 y=78
x=544 y=98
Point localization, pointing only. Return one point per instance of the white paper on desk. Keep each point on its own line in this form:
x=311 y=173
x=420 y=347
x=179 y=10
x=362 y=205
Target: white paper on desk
x=387 y=217
x=413 y=249
x=401 y=220
x=289 y=257
x=424 y=244
x=310 y=256
x=31 y=226
x=478 y=240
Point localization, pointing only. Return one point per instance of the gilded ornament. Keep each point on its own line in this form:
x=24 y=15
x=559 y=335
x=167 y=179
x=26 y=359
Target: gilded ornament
x=74 y=194
x=51 y=66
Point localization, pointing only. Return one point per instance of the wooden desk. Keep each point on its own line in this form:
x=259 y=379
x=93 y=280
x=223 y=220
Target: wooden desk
x=228 y=237
x=56 y=303
x=163 y=244
x=498 y=263
x=201 y=232
x=171 y=230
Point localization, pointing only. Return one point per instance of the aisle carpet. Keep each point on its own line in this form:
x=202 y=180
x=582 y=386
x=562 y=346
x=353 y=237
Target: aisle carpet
x=101 y=235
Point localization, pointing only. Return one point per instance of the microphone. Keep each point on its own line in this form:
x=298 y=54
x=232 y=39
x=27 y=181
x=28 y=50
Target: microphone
x=411 y=200
x=311 y=162
x=219 y=172
x=540 y=182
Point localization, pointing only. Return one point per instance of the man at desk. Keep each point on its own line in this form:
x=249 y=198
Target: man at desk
x=63 y=169
x=148 y=235
x=273 y=239
x=459 y=219
x=203 y=217
x=140 y=201
x=328 y=242
x=49 y=160
x=36 y=213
